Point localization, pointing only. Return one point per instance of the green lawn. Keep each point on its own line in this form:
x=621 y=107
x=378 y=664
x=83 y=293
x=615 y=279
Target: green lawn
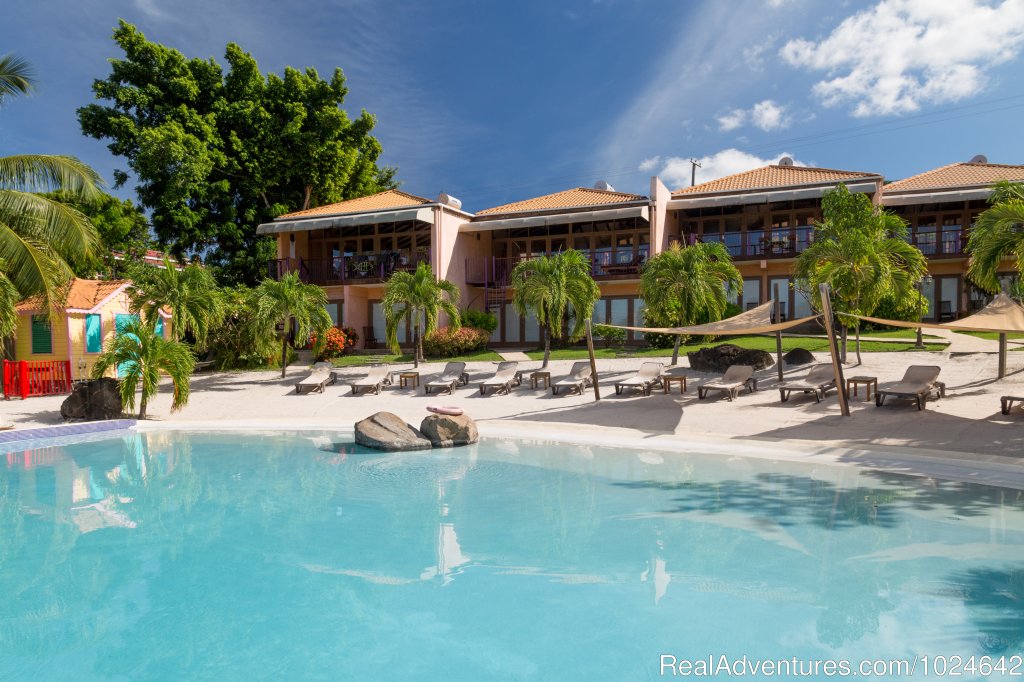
x=993 y=336
x=351 y=360
x=765 y=343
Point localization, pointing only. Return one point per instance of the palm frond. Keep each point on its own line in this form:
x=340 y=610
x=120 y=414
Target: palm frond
x=16 y=77
x=41 y=173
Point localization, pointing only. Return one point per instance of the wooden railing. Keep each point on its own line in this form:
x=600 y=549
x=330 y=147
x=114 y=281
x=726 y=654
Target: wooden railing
x=25 y=379
x=492 y=270
x=353 y=269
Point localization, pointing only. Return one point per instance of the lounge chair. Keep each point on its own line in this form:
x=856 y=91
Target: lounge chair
x=1006 y=402
x=919 y=382
x=377 y=378
x=453 y=374
x=319 y=376
x=647 y=378
x=735 y=379
x=505 y=376
x=579 y=377
x=818 y=381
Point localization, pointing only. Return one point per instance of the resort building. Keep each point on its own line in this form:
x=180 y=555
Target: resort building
x=764 y=217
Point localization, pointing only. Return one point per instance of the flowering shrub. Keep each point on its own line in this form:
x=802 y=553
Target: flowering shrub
x=447 y=343
x=335 y=342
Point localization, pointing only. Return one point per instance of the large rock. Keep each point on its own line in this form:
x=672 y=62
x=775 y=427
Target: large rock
x=93 y=400
x=798 y=356
x=388 y=432
x=720 y=358
x=445 y=431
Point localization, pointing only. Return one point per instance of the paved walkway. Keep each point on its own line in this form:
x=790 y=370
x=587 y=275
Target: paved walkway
x=516 y=355
x=965 y=343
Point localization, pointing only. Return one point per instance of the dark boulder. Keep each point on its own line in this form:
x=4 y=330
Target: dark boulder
x=445 y=431
x=798 y=356
x=93 y=400
x=722 y=357
x=388 y=432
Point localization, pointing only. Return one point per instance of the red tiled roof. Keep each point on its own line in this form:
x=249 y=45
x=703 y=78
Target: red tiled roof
x=391 y=198
x=775 y=176
x=570 y=198
x=957 y=175
x=80 y=294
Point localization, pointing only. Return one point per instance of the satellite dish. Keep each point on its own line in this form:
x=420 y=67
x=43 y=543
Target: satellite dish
x=979 y=158
x=785 y=161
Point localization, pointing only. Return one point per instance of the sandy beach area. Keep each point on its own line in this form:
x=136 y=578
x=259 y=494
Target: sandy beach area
x=964 y=428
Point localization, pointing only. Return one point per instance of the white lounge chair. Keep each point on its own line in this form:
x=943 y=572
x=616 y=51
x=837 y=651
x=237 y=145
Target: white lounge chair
x=735 y=379
x=377 y=378
x=647 y=378
x=919 y=382
x=322 y=374
x=817 y=381
x=505 y=376
x=580 y=376
x=453 y=374
x=1005 y=403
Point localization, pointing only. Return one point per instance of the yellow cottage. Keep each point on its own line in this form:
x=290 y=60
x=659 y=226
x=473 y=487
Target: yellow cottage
x=93 y=311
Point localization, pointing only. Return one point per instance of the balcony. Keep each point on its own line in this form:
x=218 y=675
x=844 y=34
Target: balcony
x=942 y=243
x=762 y=245
x=369 y=268
x=604 y=265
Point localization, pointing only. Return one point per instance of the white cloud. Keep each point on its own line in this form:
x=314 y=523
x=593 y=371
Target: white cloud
x=900 y=54
x=675 y=172
x=732 y=120
x=649 y=164
x=768 y=115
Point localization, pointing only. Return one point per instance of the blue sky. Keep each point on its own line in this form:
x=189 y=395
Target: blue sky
x=498 y=101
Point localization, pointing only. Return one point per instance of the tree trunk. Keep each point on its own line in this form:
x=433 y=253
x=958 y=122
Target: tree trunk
x=843 y=335
x=858 y=343
x=546 y=330
x=416 y=339
x=675 y=350
x=307 y=193
x=284 y=354
x=142 y=406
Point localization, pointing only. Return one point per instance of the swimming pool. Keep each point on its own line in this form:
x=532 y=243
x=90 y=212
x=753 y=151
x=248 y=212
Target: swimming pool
x=170 y=555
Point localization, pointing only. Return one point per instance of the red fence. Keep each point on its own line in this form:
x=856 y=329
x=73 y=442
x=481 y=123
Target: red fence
x=28 y=379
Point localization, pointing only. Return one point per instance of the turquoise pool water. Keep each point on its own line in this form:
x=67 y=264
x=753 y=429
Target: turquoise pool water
x=229 y=556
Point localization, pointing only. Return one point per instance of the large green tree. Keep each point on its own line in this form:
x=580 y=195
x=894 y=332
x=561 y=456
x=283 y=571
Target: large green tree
x=122 y=227
x=420 y=298
x=997 y=235
x=861 y=251
x=551 y=288
x=294 y=309
x=142 y=357
x=215 y=153
x=687 y=285
x=41 y=238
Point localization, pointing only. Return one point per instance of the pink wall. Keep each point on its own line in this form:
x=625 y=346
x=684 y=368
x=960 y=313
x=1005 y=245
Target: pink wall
x=660 y=196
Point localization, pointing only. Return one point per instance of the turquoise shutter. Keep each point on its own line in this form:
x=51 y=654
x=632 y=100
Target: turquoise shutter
x=93 y=334
x=160 y=326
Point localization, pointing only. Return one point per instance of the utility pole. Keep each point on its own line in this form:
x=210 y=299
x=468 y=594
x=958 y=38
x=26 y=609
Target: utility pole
x=693 y=171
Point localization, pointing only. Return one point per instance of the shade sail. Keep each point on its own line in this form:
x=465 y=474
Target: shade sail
x=755 y=321
x=1002 y=315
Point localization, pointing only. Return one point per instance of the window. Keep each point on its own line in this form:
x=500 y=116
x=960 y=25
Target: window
x=42 y=335
x=93 y=334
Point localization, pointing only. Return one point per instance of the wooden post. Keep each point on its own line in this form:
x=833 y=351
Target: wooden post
x=837 y=367
x=1002 y=355
x=593 y=360
x=778 y=334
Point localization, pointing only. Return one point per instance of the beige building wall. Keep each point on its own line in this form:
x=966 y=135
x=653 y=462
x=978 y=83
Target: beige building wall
x=660 y=196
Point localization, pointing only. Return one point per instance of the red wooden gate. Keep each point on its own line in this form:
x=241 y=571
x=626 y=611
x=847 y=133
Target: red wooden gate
x=29 y=379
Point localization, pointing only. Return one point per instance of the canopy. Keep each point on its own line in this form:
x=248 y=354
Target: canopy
x=1002 y=315
x=755 y=321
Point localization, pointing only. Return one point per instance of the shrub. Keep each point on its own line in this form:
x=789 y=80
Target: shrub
x=891 y=309
x=613 y=337
x=480 y=319
x=334 y=343
x=447 y=343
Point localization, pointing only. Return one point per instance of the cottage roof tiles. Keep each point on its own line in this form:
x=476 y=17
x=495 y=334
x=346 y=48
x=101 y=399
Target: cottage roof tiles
x=80 y=294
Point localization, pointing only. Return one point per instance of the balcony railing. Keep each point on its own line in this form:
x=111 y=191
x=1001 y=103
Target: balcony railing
x=943 y=243
x=351 y=269
x=492 y=270
x=762 y=244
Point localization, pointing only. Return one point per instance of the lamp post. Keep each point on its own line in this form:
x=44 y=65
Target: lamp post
x=926 y=280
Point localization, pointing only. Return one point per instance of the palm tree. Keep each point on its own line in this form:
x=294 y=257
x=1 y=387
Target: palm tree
x=8 y=299
x=420 y=298
x=191 y=294
x=38 y=235
x=998 y=234
x=688 y=284
x=290 y=302
x=548 y=287
x=861 y=251
x=142 y=357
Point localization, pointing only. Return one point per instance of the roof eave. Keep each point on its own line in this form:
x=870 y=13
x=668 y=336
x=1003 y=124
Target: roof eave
x=557 y=211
